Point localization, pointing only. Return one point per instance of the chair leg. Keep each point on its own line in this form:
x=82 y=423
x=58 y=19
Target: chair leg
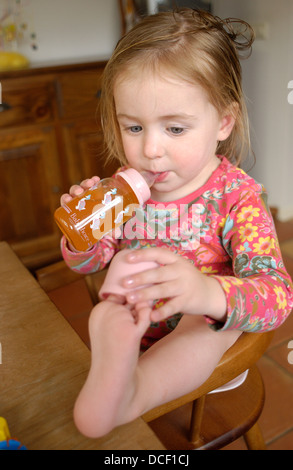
x=196 y=420
x=92 y=289
x=254 y=439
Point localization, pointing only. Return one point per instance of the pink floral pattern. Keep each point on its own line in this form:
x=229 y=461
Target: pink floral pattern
x=226 y=230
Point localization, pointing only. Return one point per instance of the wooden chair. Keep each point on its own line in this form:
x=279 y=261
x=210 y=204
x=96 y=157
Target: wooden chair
x=211 y=421
x=198 y=420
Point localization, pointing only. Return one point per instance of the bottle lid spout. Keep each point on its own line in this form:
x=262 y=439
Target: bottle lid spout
x=149 y=177
x=140 y=182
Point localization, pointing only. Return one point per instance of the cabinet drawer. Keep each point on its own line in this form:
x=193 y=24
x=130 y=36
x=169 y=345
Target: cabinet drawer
x=78 y=94
x=26 y=103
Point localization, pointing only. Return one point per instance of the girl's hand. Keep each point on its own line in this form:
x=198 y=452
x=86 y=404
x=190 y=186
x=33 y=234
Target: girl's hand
x=78 y=190
x=177 y=280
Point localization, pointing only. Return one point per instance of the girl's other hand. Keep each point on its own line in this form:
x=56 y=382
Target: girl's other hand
x=184 y=288
x=78 y=190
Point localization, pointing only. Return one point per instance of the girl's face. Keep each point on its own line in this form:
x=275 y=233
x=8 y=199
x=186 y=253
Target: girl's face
x=168 y=126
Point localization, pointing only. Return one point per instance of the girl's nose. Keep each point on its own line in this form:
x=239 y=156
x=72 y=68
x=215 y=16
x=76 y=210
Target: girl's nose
x=153 y=147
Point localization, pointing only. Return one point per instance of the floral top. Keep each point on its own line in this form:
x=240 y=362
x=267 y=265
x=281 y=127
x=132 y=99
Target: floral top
x=225 y=229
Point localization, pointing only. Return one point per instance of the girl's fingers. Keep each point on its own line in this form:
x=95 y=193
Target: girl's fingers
x=157 y=291
x=156 y=277
x=65 y=198
x=168 y=309
x=160 y=255
x=116 y=298
x=89 y=182
x=143 y=318
x=77 y=190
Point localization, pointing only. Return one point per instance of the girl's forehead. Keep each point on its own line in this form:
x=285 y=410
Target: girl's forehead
x=146 y=79
x=145 y=75
x=157 y=98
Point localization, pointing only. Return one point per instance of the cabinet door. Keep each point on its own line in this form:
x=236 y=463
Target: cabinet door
x=79 y=94
x=84 y=150
x=27 y=101
x=30 y=189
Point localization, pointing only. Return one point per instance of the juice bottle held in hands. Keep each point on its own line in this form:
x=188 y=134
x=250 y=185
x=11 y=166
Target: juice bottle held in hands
x=104 y=207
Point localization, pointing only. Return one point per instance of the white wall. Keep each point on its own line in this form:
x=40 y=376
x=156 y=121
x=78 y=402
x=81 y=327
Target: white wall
x=72 y=29
x=266 y=76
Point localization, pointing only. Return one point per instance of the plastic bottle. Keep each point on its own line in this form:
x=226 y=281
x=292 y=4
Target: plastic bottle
x=104 y=207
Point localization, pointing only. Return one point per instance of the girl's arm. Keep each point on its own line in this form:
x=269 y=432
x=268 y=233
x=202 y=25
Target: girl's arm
x=92 y=260
x=257 y=298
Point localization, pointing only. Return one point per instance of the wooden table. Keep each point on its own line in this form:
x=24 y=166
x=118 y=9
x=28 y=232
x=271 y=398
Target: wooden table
x=43 y=365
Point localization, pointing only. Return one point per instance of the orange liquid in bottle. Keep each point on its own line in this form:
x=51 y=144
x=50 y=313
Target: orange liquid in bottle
x=104 y=207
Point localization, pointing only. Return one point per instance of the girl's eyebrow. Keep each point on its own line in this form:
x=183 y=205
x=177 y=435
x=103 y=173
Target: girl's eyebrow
x=184 y=116
x=121 y=115
x=168 y=117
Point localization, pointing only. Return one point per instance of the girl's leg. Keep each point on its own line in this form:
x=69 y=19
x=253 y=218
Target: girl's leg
x=182 y=361
x=122 y=386
x=115 y=336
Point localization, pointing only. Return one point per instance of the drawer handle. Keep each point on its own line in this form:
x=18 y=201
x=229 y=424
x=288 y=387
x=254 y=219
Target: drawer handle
x=4 y=107
x=98 y=94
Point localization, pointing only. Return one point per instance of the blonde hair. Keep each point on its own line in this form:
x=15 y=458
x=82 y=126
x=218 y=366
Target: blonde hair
x=195 y=46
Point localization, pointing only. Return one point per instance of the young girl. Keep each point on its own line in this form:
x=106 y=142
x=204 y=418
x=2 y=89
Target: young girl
x=172 y=104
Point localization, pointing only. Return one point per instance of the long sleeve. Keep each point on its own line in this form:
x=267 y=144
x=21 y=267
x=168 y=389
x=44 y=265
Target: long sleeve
x=259 y=295
x=90 y=261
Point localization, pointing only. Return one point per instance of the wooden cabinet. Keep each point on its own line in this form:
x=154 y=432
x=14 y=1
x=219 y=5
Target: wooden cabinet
x=50 y=138
x=27 y=101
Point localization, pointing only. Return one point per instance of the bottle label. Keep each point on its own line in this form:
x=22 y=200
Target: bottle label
x=96 y=214
x=104 y=217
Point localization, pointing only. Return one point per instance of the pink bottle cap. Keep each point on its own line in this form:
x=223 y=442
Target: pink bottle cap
x=120 y=268
x=138 y=183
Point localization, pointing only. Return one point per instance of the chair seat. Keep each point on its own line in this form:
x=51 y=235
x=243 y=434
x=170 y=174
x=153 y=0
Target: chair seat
x=227 y=416
x=241 y=356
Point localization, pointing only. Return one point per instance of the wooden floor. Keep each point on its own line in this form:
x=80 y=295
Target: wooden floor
x=276 y=420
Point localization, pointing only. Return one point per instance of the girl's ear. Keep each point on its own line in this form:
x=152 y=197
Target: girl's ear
x=228 y=121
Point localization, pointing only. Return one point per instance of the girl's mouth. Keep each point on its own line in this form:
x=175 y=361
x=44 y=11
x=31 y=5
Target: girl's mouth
x=160 y=177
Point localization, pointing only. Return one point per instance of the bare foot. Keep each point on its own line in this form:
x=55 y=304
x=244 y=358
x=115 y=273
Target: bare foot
x=115 y=333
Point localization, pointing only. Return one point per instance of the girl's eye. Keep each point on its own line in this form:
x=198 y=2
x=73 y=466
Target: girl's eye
x=135 y=129
x=176 y=130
